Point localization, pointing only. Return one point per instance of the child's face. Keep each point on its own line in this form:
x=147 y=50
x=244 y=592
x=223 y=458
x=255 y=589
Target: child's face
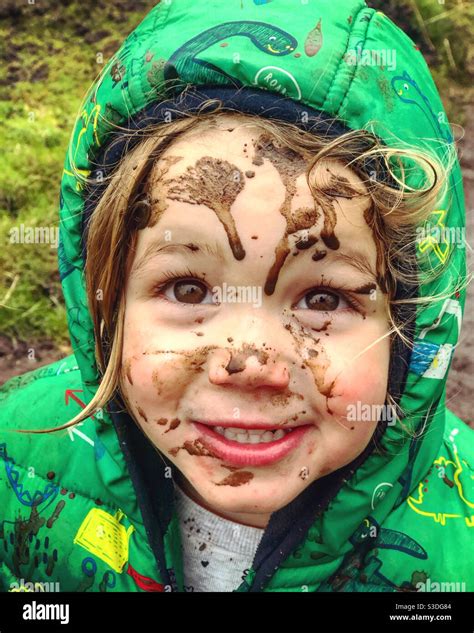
x=288 y=353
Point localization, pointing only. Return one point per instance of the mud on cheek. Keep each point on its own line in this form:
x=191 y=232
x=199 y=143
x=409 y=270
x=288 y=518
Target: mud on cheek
x=153 y=383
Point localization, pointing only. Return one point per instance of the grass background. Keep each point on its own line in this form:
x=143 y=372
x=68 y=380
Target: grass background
x=51 y=52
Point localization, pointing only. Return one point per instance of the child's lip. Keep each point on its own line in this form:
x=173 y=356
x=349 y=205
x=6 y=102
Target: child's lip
x=251 y=424
x=243 y=454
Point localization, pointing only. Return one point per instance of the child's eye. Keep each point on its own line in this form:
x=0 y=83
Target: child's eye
x=190 y=291
x=322 y=300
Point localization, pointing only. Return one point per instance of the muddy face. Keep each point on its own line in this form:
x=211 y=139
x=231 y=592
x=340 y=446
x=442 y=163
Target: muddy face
x=296 y=358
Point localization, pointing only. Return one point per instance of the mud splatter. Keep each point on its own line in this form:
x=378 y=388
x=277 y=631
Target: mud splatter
x=323 y=328
x=369 y=217
x=326 y=391
x=303 y=244
x=159 y=205
x=215 y=183
x=142 y=210
x=304 y=473
x=175 y=422
x=283 y=398
x=448 y=482
x=250 y=174
x=366 y=289
x=336 y=187
x=317 y=362
x=236 y=479
x=238 y=360
x=282 y=251
x=196 y=448
x=57 y=511
x=290 y=165
x=141 y=413
x=386 y=92
x=189 y=361
x=330 y=218
x=318 y=255
x=127 y=368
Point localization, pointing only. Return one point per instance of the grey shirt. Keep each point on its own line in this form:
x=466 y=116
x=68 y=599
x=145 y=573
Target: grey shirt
x=216 y=551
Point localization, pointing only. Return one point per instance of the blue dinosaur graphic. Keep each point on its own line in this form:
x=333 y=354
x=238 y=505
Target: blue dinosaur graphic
x=65 y=266
x=360 y=568
x=183 y=63
x=409 y=92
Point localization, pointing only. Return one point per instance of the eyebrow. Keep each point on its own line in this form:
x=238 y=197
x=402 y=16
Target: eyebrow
x=355 y=259
x=160 y=248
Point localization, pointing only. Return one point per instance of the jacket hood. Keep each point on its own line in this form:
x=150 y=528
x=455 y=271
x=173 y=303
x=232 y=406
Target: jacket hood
x=342 y=60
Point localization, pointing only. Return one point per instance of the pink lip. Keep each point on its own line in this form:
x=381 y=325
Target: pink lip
x=240 y=454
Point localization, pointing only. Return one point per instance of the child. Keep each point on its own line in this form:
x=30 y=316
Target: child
x=262 y=319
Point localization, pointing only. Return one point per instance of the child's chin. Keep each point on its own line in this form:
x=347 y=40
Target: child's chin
x=254 y=498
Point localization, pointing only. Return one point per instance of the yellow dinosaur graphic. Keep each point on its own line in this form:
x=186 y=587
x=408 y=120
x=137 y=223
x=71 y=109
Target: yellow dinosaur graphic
x=418 y=503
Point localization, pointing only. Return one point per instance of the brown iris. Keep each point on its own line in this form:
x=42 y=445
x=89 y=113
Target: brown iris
x=189 y=291
x=322 y=300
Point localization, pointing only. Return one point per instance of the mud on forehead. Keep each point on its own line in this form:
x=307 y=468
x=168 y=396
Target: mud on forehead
x=217 y=178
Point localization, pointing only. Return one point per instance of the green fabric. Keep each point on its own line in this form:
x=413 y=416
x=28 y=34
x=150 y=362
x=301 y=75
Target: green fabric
x=68 y=509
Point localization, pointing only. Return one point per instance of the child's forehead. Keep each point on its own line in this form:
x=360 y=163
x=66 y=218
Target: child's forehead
x=243 y=147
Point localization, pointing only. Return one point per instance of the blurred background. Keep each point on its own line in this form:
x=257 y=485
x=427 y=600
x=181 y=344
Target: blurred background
x=53 y=49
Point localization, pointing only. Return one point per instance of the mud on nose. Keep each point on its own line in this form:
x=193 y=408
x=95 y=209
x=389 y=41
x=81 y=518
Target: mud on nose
x=251 y=366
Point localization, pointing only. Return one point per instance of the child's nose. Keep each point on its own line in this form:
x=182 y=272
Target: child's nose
x=250 y=370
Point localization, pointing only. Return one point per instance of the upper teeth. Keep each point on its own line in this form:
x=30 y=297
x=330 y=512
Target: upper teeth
x=252 y=436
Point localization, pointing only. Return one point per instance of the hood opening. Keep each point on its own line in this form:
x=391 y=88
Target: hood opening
x=145 y=465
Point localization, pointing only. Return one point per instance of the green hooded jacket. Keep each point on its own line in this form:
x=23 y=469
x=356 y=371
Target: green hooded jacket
x=91 y=507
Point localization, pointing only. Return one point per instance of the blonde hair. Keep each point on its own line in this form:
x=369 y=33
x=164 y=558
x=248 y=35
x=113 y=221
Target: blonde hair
x=396 y=210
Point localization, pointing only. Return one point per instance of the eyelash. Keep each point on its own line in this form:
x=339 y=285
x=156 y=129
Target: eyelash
x=170 y=276
x=187 y=273
x=354 y=305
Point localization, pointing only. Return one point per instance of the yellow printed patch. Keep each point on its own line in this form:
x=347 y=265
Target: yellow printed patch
x=103 y=535
x=439 y=246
